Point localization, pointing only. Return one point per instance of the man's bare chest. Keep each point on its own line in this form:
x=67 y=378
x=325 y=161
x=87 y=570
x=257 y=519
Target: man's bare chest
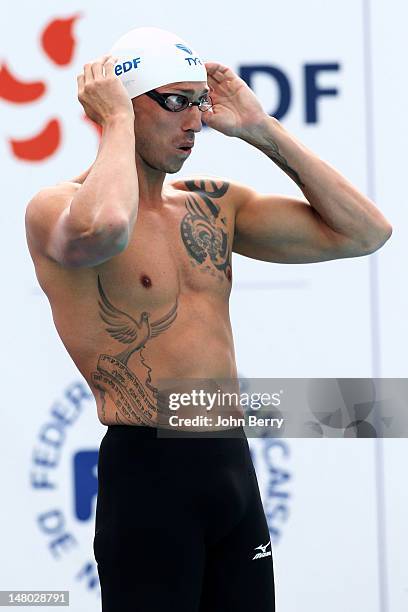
x=184 y=246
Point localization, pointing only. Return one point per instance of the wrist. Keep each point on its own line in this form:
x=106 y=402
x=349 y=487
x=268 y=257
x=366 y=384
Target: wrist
x=255 y=134
x=119 y=119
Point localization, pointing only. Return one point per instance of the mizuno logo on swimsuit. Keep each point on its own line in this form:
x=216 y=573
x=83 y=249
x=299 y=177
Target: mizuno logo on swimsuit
x=263 y=553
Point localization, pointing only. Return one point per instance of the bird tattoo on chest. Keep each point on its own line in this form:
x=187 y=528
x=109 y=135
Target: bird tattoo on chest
x=135 y=400
x=127 y=330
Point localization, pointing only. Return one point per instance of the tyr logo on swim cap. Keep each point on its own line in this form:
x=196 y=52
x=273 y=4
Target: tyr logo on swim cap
x=184 y=48
x=151 y=57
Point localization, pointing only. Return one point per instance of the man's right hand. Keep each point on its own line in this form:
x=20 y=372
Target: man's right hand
x=101 y=93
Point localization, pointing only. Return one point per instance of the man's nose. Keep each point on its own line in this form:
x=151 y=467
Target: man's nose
x=192 y=119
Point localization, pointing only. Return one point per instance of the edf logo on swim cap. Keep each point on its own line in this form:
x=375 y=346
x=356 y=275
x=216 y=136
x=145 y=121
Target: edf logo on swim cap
x=191 y=60
x=126 y=66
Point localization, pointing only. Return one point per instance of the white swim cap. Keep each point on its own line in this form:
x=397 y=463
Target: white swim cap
x=151 y=57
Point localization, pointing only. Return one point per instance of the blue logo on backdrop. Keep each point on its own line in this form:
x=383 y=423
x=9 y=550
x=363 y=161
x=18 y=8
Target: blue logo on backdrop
x=85 y=483
x=313 y=94
x=269 y=456
x=275 y=495
x=312 y=91
x=126 y=66
x=53 y=519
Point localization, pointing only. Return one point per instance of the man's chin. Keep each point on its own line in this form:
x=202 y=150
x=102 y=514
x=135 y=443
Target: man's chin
x=173 y=170
x=167 y=168
x=175 y=166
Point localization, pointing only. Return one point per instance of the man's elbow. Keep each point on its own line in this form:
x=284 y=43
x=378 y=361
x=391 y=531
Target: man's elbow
x=97 y=246
x=376 y=242
x=381 y=238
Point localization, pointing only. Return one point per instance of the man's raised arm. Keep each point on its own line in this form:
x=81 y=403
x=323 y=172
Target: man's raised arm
x=336 y=220
x=95 y=223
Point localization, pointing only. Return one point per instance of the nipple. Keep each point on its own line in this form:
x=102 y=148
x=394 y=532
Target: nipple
x=146 y=281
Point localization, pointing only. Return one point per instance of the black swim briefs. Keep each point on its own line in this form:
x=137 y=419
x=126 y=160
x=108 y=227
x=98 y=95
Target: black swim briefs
x=180 y=524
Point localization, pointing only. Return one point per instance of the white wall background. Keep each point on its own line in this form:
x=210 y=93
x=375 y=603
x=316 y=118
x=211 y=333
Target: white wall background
x=336 y=507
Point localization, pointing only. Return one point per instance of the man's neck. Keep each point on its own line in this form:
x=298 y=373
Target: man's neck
x=150 y=185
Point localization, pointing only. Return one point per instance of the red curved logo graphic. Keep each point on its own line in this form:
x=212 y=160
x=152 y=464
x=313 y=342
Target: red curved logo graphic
x=58 y=43
x=19 y=92
x=41 y=145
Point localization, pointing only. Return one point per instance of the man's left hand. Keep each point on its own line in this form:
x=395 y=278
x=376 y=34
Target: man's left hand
x=235 y=109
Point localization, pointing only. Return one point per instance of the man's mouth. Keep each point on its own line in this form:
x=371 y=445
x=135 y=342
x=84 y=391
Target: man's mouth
x=187 y=146
x=187 y=149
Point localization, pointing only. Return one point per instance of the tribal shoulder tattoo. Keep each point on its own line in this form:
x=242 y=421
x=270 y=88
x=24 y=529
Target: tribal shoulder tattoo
x=204 y=230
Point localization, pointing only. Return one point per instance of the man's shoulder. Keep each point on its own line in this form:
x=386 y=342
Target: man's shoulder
x=49 y=192
x=50 y=197
x=44 y=209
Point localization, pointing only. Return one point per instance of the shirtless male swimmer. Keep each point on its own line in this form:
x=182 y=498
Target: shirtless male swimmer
x=138 y=275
